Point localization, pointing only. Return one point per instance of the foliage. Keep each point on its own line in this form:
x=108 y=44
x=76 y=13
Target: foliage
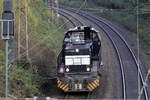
x=110 y=3
x=74 y=3
x=44 y=44
x=24 y=83
x=123 y=12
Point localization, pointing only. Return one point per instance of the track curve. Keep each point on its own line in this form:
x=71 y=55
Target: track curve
x=127 y=56
x=127 y=59
x=120 y=61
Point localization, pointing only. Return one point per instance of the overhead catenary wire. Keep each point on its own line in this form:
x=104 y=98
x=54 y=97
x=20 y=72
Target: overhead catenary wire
x=122 y=38
x=46 y=37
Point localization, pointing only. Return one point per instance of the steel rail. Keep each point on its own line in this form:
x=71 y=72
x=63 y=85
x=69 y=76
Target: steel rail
x=69 y=20
x=127 y=45
x=121 y=68
x=72 y=17
x=69 y=17
x=121 y=37
x=67 y=96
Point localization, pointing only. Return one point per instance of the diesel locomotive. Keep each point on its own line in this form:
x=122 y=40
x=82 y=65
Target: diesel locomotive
x=78 y=63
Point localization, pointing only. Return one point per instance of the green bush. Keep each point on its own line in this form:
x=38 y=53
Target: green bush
x=44 y=44
x=24 y=83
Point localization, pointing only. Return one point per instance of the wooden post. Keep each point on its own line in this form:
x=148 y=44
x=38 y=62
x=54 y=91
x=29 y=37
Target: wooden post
x=57 y=7
x=19 y=29
x=48 y=3
x=53 y=2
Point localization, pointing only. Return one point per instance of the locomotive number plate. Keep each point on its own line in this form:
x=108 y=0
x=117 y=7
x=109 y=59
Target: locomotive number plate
x=78 y=86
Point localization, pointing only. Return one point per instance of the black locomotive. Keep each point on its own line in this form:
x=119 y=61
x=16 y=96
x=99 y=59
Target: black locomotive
x=79 y=61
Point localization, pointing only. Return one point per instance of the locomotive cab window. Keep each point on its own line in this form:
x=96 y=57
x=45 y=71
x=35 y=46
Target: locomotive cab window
x=75 y=38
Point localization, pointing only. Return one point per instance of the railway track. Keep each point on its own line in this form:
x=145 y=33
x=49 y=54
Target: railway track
x=76 y=22
x=127 y=59
x=88 y=96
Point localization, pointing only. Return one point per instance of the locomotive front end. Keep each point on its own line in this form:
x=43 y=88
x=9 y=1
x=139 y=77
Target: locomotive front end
x=77 y=70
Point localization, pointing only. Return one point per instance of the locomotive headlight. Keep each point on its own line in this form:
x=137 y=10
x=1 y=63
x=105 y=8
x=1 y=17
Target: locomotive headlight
x=88 y=69
x=61 y=70
x=67 y=70
x=77 y=50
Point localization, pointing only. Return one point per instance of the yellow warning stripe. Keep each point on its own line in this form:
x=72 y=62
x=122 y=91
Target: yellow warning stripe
x=89 y=88
x=58 y=81
x=65 y=86
x=96 y=83
x=93 y=84
x=59 y=84
x=90 y=85
x=66 y=89
x=62 y=85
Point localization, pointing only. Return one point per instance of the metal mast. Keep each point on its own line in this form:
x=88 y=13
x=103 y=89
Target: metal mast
x=7 y=35
x=26 y=32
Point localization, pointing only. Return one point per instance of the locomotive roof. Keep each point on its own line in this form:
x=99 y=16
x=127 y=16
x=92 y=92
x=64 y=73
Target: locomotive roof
x=81 y=29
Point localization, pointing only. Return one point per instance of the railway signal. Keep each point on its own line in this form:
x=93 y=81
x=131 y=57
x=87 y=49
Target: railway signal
x=7 y=21
x=7 y=34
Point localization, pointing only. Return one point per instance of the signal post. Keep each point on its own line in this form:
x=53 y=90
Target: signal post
x=7 y=34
